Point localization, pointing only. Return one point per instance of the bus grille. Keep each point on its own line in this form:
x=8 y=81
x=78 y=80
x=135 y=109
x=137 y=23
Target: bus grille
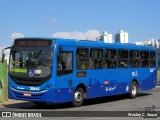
x=29 y=81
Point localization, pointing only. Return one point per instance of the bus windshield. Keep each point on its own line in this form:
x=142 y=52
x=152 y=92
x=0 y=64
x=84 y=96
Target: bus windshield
x=35 y=63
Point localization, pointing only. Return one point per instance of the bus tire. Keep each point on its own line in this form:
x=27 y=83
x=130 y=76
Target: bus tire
x=133 y=90
x=78 y=97
x=39 y=103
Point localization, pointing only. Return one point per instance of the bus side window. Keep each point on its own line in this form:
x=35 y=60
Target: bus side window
x=134 y=58
x=64 y=62
x=96 y=58
x=152 y=59
x=144 y=59
x=122 y=58
x=82 y=58
x=110 y=58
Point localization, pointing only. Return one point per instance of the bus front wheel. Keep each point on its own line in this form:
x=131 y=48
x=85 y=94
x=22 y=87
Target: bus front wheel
x=133 y=90
x=78 y=97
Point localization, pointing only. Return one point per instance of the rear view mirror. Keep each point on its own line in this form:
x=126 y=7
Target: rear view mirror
x=3 y=57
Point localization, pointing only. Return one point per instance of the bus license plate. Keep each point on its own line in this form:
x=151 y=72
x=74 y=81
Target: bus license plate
x=27 y=94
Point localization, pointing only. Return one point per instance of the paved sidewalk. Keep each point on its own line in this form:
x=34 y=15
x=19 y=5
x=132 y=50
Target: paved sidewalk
x=11 y=101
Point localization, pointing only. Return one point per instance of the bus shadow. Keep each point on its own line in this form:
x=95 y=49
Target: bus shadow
x=108 y=99
x=31 y=105
x=94 y=101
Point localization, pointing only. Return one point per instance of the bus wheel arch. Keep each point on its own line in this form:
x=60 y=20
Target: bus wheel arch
x=135 y=81
x=79 y=95
x=133 y=89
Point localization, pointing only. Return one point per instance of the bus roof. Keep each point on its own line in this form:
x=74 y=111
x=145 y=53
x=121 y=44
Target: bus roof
x=92 y=44
x=101 y=44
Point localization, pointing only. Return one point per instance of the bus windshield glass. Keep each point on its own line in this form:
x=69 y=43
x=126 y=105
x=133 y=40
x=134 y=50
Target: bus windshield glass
x=35 y=63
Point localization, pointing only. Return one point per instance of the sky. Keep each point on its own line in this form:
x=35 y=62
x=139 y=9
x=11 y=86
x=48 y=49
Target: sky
x=81 y=19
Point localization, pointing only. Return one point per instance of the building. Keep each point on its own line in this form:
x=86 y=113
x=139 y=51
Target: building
x=150 y=42
x=107 y=38
x=139 y=43
x=121 y=37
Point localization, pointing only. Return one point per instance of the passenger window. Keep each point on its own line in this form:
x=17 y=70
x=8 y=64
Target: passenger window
x=64 y=62
x=152 y=59
x=122 y=58
x=110 y=58
x=96 y=58
x=134 y=58
x=82 y=58
x=144 y=59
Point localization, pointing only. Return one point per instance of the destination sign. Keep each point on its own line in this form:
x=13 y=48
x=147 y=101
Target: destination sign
x=18 y=70
x=33 y=43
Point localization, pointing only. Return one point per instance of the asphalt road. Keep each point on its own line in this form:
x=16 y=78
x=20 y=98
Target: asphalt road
x=113 y=103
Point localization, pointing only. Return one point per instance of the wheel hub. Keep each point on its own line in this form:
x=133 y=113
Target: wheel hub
x=134 y=90
x=78 y=96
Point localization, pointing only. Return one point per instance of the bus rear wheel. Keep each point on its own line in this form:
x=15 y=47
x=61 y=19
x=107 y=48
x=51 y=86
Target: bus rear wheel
x=78 y=97
x=133 y=90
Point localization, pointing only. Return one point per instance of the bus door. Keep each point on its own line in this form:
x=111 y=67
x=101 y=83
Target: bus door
x=64 y=74
x=82 y=67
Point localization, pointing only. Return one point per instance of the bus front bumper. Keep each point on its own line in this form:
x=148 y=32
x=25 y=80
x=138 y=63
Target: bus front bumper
x=39 y=96
x=52 y=95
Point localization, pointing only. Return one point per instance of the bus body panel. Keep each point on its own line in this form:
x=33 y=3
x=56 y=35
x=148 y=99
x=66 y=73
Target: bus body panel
x=98 y=82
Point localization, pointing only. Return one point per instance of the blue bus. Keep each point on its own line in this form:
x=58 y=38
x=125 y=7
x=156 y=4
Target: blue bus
x=54 y=70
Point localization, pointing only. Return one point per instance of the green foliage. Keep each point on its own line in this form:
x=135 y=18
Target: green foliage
x=3 y=80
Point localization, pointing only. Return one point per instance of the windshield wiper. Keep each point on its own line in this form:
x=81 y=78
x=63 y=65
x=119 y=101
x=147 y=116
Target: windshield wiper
x=39 y=52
